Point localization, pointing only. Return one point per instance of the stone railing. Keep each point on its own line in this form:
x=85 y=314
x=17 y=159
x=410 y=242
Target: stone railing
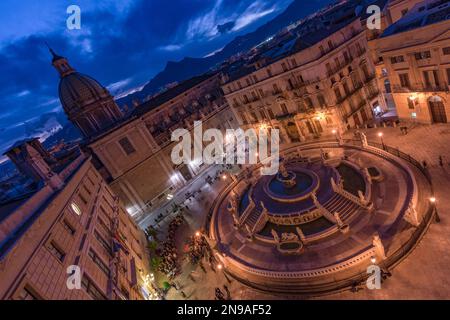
x=261 y=222
x=237 y=267
x=294 y=218
x=366 y=176
x=248 y=210
x=361 y=201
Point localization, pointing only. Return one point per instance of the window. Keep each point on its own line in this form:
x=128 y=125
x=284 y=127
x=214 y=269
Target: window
x=397 y=59
x=284 y=67
x=248 y=81
x=244 y=119
x=284 y=108
x=275 y=88
x=269 y=72
x=321 y=100
x=271 y=114
x=346 y=87
x=87 y=190
x=27 y=294
x=75 y=208
x=337 y=62
x=293 y=63
x=309 y=103
x=127 y=146
x=68 y=227
x=103 y=242
x=96 y=259
x=436 y=77
x=254 y=116
x=92 y=289
x=404 y=80
x=82 y=198
x=448 y=76
x=263 y=115
x=410 y=103
x=337 y=92
x=255 y=79
x=322 y=50
x=404 y=12
x=446 y=51
x=330 y=45
x=56 y=251
x=346 y=57
x=328 y=67
x=422 y=55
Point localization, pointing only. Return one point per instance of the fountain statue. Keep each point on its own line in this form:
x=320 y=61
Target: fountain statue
x=284 y=176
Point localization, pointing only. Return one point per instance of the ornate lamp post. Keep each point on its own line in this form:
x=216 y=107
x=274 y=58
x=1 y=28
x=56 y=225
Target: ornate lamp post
x=436 y=215
x=380 y=134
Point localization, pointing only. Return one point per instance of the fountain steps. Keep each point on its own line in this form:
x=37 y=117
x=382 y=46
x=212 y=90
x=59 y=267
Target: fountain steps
x=345 y=207
x=252 y=218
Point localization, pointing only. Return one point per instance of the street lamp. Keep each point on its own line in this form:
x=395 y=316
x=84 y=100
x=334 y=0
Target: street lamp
x=373 y=259
x=433 y=203
x=380 y=134
x=334 y=131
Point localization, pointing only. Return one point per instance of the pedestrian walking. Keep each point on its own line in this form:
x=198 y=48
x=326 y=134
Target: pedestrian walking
x=227 y=291
x=219 y=294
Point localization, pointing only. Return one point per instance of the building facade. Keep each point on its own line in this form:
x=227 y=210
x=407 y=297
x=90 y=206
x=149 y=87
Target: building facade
x=137 y=153
x=71 y=219
x=413 y=63
x=323 y=81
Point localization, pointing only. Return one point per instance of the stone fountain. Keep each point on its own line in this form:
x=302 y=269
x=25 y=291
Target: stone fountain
x=287 y=178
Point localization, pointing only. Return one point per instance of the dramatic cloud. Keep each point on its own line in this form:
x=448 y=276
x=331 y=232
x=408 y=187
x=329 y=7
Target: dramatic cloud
x=122 y=44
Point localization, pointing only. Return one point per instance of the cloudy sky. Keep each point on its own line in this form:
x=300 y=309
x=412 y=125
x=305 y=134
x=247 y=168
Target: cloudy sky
x=122 y=43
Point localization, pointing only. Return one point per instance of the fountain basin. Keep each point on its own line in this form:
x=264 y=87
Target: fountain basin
x=304 y=182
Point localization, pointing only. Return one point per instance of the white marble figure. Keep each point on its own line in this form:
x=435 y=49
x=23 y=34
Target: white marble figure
x=300 y=234
x=379 y=247
x=275 y=236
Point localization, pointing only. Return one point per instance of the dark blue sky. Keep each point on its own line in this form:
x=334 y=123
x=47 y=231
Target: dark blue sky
x=122 y=43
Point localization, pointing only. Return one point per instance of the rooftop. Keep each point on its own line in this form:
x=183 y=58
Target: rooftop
x=309 y=32
x=422 y=14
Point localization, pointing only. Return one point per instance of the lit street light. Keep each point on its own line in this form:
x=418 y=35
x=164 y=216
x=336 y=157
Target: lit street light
x=334 y=131
x=380 y=134
x=436 y=215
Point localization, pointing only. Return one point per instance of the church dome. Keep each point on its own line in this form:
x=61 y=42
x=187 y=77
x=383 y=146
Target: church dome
x=78 y=90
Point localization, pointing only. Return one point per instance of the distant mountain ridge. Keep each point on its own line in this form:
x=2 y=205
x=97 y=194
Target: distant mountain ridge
x=189 y=67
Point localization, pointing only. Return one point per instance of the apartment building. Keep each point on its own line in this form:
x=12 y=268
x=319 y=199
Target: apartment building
x=414 y=62
x=65 y=216
x=319 y=81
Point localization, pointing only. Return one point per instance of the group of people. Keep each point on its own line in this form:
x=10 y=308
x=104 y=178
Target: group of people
x=169 y=264
x=198 y=248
